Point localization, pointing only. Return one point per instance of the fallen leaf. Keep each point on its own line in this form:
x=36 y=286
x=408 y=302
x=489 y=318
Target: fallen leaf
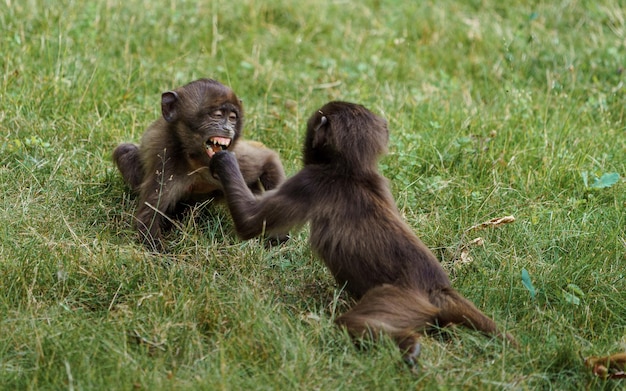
x=528 y=283
x=476 y=242
x=493 y=223
x=571 y=298
x=464 y=252
x=465 y=257
x=608 y=367
x=606 y=180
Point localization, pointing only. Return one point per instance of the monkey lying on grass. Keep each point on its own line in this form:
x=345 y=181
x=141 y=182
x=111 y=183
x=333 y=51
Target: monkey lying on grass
x=170 y=166
x=356 y=229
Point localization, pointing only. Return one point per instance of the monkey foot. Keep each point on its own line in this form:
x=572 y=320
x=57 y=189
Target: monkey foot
x=411 y=355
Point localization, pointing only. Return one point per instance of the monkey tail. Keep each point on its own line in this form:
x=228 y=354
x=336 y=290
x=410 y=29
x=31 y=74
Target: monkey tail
x=456 y=309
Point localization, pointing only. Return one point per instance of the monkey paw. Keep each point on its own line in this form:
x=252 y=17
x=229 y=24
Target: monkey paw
x=221 y=161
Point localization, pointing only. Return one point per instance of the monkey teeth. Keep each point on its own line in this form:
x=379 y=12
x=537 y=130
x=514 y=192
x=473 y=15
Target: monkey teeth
x=216 y=144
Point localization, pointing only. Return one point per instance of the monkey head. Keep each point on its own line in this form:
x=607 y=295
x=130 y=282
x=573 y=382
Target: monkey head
x=207 y=117
x=347 y=134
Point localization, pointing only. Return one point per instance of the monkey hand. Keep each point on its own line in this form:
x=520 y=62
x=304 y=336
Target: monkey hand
x=222 y=163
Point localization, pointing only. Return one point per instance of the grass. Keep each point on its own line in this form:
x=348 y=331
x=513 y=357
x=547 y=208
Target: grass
x=495 y=109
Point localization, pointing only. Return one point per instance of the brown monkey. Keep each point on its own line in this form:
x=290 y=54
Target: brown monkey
x=170 y=166
x=356 y=229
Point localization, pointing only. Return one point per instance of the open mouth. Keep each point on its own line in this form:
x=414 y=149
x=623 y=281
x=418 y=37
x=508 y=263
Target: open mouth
x=216 y=144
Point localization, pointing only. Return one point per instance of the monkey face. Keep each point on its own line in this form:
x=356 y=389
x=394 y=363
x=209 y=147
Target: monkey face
x=220 y=129
x=207 y=115
x=345 y=133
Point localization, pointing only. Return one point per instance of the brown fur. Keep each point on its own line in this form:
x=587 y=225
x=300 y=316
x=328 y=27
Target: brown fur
x=170 y=166
x=356 y=229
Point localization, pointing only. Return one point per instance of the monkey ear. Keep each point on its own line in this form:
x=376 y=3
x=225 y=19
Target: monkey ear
x=169 y=102
x=319 y=138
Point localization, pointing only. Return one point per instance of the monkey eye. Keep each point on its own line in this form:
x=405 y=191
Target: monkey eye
x=232 y=116
x=217 y=114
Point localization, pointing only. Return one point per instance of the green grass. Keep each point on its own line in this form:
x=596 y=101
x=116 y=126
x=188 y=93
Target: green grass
x=495 y=109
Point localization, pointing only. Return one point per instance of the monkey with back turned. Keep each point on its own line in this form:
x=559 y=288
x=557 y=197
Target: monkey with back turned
x=357 y=230
x=169 y=168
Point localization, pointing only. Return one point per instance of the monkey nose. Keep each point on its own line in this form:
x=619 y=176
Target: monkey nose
x=229 y=128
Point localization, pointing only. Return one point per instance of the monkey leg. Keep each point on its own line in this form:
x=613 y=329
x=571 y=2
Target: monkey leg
x=149 y=224
x=157 y=202
x=126 y=158
x=273 y=173
x=456 y=309
x=260 y=166
x=398 y=312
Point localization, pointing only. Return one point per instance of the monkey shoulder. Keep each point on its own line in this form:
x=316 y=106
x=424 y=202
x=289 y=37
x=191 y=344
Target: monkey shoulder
x=161 y=147
x=155 y=132
x=252 y=153
x=249 y=145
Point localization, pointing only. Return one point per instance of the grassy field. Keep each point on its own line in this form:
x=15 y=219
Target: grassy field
x=495 y=109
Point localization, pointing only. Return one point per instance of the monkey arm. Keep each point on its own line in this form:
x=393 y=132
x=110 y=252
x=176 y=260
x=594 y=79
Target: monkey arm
x=272 y=213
